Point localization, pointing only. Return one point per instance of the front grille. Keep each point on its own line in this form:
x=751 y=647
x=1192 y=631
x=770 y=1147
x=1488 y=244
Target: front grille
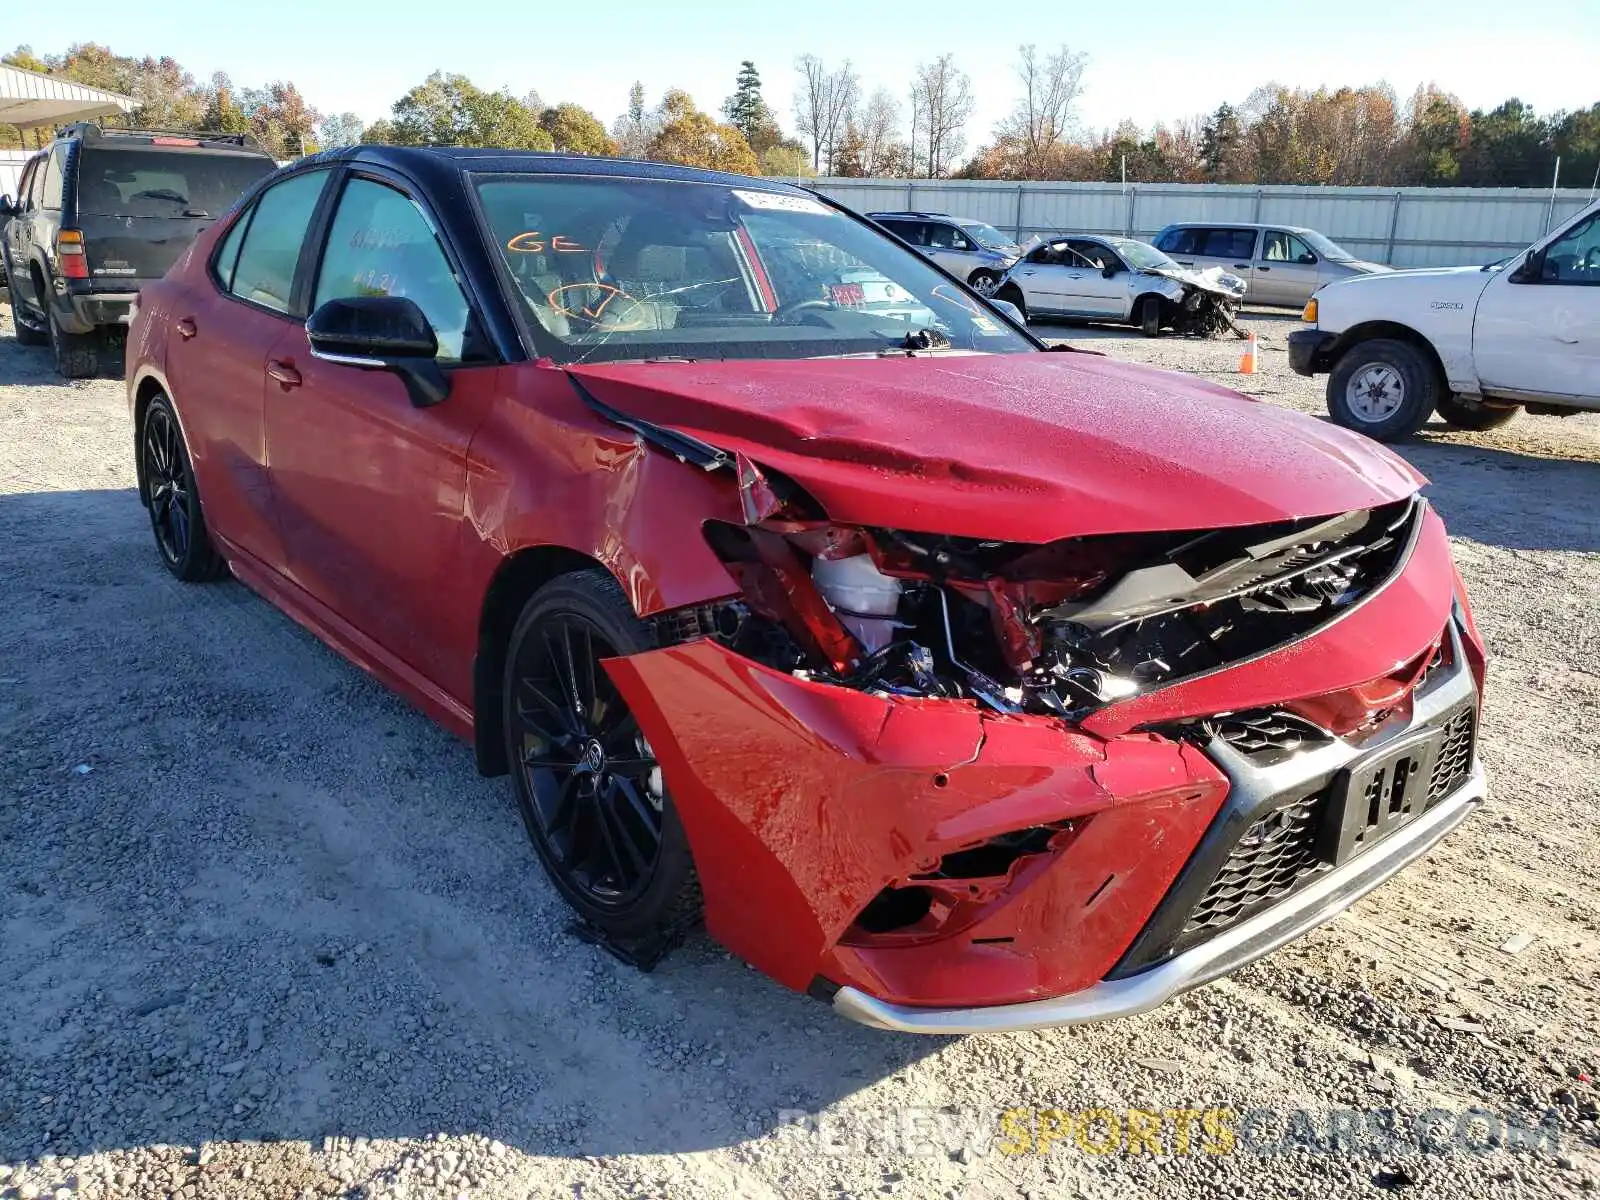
x=1272 y=859
x=1454 y=764
x=1267 y=732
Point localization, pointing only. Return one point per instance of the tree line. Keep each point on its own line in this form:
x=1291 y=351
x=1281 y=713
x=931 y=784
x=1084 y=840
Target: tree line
x=1351 y=136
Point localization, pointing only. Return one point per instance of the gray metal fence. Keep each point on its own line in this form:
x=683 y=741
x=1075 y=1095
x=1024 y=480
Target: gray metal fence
x=1405 y=227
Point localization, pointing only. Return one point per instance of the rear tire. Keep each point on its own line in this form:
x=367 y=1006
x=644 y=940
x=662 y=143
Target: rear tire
x=1459 y=412
x=591 y=794
x=1383 y=388
x=77 y=355
x=167 y=487
x=1150 y=316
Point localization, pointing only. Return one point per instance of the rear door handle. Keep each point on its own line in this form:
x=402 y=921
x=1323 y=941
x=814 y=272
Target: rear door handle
x=1258 y=268
x=187 y=328
x=283 y=372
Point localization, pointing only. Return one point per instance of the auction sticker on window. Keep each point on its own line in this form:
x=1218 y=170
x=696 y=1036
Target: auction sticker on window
x=780 y=202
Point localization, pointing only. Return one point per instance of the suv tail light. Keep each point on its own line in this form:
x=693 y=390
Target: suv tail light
x=69 y=246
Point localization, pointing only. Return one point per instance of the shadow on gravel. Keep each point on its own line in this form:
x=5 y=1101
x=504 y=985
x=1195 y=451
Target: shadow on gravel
x=32 y=365
x=1505 y=498
x=247 y=894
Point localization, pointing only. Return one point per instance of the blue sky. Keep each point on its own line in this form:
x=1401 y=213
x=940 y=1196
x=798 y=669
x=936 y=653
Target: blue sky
x=1164 y=60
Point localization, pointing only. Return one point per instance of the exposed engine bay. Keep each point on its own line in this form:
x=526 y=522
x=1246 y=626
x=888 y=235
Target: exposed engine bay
x=1060 y=629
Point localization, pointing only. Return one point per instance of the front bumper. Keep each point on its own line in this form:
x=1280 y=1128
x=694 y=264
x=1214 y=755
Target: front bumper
x=1244 y=943
x=1310 y=351
x=1255 y=791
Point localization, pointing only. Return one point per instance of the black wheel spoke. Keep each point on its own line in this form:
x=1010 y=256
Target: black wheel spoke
x=587 y=777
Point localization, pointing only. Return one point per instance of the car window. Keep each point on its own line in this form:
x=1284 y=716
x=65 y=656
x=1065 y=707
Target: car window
x=1226 y=243
x=50 y=193
x=382 y=245
x=1175 y=241
x=24 y=186
x=271 y=249
x=1574 y=257
x=1278 y=246
x=1095 y=255
x=143 y=182
x=228 y=253
x=910 y=231
x=619 y=269
x=946 y=237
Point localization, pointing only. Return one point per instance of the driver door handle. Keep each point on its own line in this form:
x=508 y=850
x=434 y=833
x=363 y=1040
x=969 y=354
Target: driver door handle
x=1246 y=267
x=187 y=328
x=284 y=372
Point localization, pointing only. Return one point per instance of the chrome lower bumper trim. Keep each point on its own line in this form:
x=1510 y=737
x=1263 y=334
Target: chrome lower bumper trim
x=1229 y=950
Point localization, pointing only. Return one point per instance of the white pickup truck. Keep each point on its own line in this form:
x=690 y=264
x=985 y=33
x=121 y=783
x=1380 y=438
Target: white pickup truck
x=1474 y=344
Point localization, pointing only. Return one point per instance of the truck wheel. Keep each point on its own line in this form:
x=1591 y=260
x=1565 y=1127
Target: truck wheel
x=1382 y=388
x=1462 y=412
x=77 y=355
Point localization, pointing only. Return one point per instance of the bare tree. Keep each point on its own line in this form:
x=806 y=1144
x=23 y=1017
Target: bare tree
x=1043 y=117
x=941 y=105
x=823 y=104
x=880 y=133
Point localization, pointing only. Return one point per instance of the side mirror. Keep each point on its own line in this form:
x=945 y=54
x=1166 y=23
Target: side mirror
x=1529 y=269
x=1308 y=259
x=1006 y=308
x=1109 y=271
x=381 y=333
x=8 y=208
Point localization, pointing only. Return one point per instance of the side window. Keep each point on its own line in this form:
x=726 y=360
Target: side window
x=1169 y=241
x=24 y=187
x=1574 y=257
x=50 y=194
x=914 y=232
x=1278 y=246
x=945 y=237
x=1095 y=255
x=228 y=254
x=1229 y=243
x=271 y=248
x=381 y=245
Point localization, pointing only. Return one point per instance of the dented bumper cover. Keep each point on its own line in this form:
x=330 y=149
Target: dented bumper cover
x=805 y=802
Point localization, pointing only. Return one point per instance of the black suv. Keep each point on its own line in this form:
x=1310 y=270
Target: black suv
x=101 y=212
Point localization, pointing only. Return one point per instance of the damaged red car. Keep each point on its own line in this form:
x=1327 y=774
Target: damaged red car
x=963 y=683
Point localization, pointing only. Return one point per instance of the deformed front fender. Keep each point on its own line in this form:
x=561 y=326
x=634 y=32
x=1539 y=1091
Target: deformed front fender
x=803 y=800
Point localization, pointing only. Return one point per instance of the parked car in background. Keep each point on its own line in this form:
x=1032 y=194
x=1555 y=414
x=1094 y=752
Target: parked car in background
x=1089 y=276
x=1280 y=264
x=101 y=212
x=958 y=683
x=1474 y=344
x=969 y=250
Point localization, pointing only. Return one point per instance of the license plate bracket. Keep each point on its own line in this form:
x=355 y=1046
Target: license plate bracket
x=1377 y=794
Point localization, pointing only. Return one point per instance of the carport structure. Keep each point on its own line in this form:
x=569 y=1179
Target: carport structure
x=29 y=100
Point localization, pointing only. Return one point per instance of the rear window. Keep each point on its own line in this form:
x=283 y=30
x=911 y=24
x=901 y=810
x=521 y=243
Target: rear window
x=114 y=182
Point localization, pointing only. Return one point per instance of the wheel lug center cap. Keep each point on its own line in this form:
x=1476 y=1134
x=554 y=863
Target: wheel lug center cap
x=594 y=756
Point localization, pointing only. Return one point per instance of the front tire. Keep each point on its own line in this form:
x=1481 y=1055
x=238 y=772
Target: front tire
x=587 y=781
x=1012 y=294
x=985 y=283
x=166 y=485
x=1460 y=412
x=1383 y=388
x=1150 y=316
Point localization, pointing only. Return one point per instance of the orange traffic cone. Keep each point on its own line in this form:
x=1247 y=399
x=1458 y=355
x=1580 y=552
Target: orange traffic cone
x=1247 y=361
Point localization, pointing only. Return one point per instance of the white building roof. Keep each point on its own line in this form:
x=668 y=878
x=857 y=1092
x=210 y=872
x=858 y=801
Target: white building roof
x=28 y=99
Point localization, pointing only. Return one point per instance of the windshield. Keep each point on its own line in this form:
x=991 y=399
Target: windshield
x=1324 y=248
x=987 y=235
x=615 y=268
x=113 y=182
x=1143 y=256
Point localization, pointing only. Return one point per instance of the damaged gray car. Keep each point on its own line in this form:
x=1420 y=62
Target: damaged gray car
x=1097 y=278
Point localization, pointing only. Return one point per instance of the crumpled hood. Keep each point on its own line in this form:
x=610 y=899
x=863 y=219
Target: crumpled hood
x=1014 y=447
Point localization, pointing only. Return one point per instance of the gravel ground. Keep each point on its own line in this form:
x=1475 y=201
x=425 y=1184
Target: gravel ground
x=264 y=932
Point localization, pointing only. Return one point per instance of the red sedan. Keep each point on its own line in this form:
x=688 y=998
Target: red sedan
x=960 y=683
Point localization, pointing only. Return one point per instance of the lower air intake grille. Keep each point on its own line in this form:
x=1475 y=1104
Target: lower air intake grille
x=1268 y=862
x=1454 y=764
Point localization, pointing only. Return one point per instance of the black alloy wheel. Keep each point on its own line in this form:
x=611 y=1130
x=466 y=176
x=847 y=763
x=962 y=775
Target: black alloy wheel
x=595 y=788
x=167 y=480
x=589 y=785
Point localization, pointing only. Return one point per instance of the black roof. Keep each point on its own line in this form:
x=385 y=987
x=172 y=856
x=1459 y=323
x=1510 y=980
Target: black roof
x=425 y=161
x=166 y=139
